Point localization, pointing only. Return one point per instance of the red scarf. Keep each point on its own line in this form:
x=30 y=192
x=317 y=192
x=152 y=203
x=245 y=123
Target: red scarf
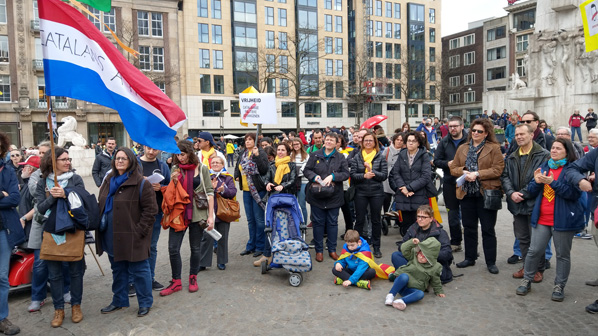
x=186 y=180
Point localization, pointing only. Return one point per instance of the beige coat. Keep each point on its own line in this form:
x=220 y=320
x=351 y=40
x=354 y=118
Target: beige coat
x=490 y=166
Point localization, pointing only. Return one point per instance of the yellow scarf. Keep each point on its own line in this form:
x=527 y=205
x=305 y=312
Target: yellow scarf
x=368 y=157
x=206 y=156
x=282 y=168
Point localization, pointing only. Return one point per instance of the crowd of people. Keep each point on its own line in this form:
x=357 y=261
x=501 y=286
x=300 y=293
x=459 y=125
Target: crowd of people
x=548 y=181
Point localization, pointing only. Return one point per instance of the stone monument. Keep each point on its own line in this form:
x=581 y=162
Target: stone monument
x=82 y=158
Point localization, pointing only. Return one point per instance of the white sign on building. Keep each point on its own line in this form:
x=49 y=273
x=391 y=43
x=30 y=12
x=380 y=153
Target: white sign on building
x=258 y=108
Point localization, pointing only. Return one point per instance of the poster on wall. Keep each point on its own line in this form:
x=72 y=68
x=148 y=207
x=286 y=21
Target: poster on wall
x=589 y=16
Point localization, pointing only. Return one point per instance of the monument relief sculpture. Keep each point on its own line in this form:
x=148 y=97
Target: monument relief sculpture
x=565 y=40
x=548 y=48
x=516 y=82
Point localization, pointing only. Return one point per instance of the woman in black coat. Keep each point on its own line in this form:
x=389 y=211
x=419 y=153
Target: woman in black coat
x=282 y=173
x=409 y=178
x=368 y=170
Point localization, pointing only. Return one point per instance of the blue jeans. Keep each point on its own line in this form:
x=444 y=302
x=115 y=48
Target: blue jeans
x=578 y=130
x=517 y=250
x=398 y=259
x=409 y=295
x=325 y=220
x=39 y=278
x=153 y=248
x=56 y=277
x=120 y=282
x=302 y=204
x=5 y=251
x=255 y=222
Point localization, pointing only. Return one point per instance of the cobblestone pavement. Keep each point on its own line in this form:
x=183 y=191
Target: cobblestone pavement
x=242 y=300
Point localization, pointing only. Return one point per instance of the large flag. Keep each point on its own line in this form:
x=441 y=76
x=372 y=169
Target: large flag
x=81 y=63
x=103 y=5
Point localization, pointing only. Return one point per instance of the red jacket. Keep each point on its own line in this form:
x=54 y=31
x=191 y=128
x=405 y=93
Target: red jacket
x=302 y=137
x=575 y=120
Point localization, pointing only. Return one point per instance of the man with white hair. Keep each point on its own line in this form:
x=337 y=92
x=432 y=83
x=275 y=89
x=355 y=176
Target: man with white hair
x=565 y=133
x=592 y=140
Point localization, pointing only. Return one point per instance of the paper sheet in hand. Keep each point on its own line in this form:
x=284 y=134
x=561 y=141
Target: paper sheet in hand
x=461 y=180
x=155 y=178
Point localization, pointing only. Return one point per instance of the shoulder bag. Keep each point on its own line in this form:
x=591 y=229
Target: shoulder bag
x=492 y=199
x=70 y=250
x=201 y=197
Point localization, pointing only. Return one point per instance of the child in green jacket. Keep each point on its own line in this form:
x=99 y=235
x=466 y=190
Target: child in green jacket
x=422 y=270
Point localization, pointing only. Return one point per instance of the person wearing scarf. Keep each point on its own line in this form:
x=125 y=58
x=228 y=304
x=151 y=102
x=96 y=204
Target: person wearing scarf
x=557 y=214
x=194 y=177
x=368 y=169
x=250 y=171
x=207 y=149
x=481 y=163
x=126 y=237
x=46 y=186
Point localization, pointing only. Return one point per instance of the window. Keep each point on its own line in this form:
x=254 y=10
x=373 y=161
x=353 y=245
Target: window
x=524 y=20
x=432 y=54
x=161 y=86
x=269 y=39
x=204 y=84
x=454 y=61
x=270 y=63
x=245 y=12
x=338 y=5
x=288 y=110
x=454 y=43
x=397 y=11
x=308 y=65
x=4 y=51
x=469 y=79
x=370 y=49
x=379 y=28
x=454 y=98
x=309 y=20
x=270 y=16
x=218 y=84
x=284 y=90
x=334 y=110
x=218 y=59
x=432 y=35
x=432 y=73
x=328 y=45
x=388 y=50
x=338 y=27
x=211 y=108
x=370 y=27
x=142 y=23
x=339 y=89
x=328 y=22
x=109 y=20
x=432 y=92
x=496 y=73
x=432 y=15
x=203 y=32
x=398 y=91
x=202 y=8
x=397 y=30
x=378 y=8
x=378 y=70
x=469 y=97
x=329 y=67
x=93 y=20
x=282 y=41
x=495 y=33
x=157 y=24
x=339 y=46
x=469 y=58
x=412 y=110
x=271 y=85
x=284 y=64
x=245 y=37
x=235 y=110
x=329 y=89
x=397 y=71
x=245 y=61
x=339 y=68
x=309 y=3
x=216 y=34
x=312 y=110
x=522 y=42
x=468 y=40
x=388 y=10
x=370 y=69
x=378 y=49
x=204 y=58
x=454 y=81
x=144 y=58
x=520 y=67
x=416 y=12
x=388 y=70
x=282 y=17
x=328 y=4
x=389 y=30
x=497 y=53
x=216 y=9
x=158 y=58
x=5 y=83
x=397 y=51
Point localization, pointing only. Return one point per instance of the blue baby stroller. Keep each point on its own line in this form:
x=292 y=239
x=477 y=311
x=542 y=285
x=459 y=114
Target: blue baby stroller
x=285 y=229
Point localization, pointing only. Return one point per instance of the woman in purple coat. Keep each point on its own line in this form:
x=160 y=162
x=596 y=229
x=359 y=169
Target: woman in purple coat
x=224 y=185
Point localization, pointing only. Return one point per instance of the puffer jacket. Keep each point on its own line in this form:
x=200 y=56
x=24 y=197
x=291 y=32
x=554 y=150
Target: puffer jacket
x=415 y=178
x=516 y=178
x=319 y=165
x=288 y=180
x=373 y=186
x=435 y=230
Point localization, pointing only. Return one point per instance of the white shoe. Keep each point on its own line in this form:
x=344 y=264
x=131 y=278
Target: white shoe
x=389 y=299
x=399 y=304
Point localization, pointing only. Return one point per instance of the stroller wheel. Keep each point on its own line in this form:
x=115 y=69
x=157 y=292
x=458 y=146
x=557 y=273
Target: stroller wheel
x=385 y=225
x=295 y=279
x=264 y=266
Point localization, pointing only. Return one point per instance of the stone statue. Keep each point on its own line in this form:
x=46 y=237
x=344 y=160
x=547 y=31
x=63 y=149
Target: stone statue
x=67 y=133
x=516 y=82
x=548 y=48
x=565 y=40
x=583 y=60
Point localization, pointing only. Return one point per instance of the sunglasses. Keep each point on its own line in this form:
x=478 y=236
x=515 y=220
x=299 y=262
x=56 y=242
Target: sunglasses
x=528 y=121
x=478 y=131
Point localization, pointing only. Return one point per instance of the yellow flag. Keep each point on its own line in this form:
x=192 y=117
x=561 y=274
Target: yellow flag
x=434 y=205
x=589 y=16
x=250 y=89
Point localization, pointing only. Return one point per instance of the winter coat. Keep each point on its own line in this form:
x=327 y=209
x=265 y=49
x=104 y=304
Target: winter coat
x=513 y=180
x=490 y=166
x=353 y=263
x=591 y=120
x=37 y=229
x=415 y=178
x=568 y=209
x=540 y=138
x=9 y=218
x=510 y=133
x=391 y=155
x=368 y=187
x=262 y=164
x=319 y=165
x=100 y=167
x=133 y=217
x=288 y=180
x=435 y=230
x=229 y=191
x=422 y=275
x=446 y=152
x=44 y=203
x=578 y=168
x=575 y=120
x=173 y=206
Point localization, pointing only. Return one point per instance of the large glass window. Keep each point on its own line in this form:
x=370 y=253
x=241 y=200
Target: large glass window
x=284 y=64
x=497 y=53
x=157 y=24
x=282 y=17
x=284 y=90
x=269 y=39
x=522 y=42
x=338 y=27
x=245 y=61
x=308 y=3
x=524 y=20
x=432 y=15
x=329 y=89
x=520 y=67
x=271 y=85
x=5 y=88
x=327 y=4
x=211 y=108
x=270 y=63
x=142 y=23
x=217 y=34
x=328 y=23
x=496 y=33
x=468 y=39
x=339 y=89
x=379 y=28
x=235 y=110
x=202 y=8
x=432 y=35
x=269 y=16
x=205 y=86
x=338 y=5
x=308 y=20
x=95 y=21
x=282 y=41
x=397 y=11
x=397 y=51
x=313 y=110
x=339 y=68
x=334 y=110
x=469 y=58
x=288 y=110
x=218 y=59
x=245 y=12
x=454 y=61
x=397 y=71
x=4 y=54
x=329 y=67
x=218 y=84
x=378 y=8
x=109 y=20
x=496 y=73
x=245 y=37
x=388 y=47
x=389 y=31
x=203 y=30
x=338 y=49
x=158 y=58
x=388 y=10
x=378 y=70
x=328 y=45
x=216 y=9
x=397 y=30
x=378 y=49
x=309 y=87
x=469 y=79
x=204 y=58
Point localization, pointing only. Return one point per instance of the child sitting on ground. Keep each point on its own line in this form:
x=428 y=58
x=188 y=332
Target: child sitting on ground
x=422 y=270
x=352 y=268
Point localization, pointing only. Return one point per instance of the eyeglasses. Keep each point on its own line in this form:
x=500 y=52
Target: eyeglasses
x=369 y=140
x=216 y=162
x=411 y=141
x=121 y=159
x=423 y=217
x=15 y=155
x=478 y=131
x=528 y=121
x=65 y=160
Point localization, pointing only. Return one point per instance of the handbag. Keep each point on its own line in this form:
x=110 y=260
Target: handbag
x=201 y=197
x=71 y=250
x=228 y=209
x=320 y=191
x=492 y=199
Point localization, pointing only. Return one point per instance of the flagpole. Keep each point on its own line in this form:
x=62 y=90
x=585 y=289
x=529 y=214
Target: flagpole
x=52 y=149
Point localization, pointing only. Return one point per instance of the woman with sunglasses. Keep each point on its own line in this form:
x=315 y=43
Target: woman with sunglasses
x=481 y=163
x=16 y=157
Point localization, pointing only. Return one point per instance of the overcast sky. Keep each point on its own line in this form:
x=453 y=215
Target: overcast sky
x=456 y=14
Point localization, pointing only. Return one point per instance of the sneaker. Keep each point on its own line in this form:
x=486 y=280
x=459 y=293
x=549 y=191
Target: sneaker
x=583 y=235
x=389 y=299
x=399 y=304
x=456 y=248
x=365 y=284
x=592 y=308
x=338 y=281
x=174 y=286
x=514 y=259
x=132 y=291
x=193 y=284
x=157 y=286
x=7 y=328
x=67 y=298
x=36 y=306
x=558 y=294
x=524 y=287
x=312 y=243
